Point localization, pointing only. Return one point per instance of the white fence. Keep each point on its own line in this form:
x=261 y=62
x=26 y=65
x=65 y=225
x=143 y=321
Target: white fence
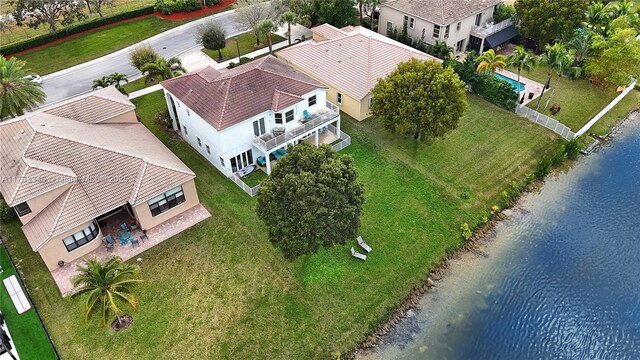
x=252 y=191
x=606 y=109
x=346 y=139
x=541 y=119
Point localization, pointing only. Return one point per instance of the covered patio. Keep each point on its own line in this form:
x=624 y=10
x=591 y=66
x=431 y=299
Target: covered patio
x=63 y=275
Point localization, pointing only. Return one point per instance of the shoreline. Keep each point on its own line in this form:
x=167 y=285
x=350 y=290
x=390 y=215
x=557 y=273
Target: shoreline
x=480 y=238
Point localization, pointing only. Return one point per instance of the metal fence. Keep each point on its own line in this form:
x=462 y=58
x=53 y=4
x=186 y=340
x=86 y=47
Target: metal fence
x=541 y=119
x=252 y=191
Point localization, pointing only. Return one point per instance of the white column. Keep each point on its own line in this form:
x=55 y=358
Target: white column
x=315 y=137
x=268 y=161
x=338 y=127
x=482 y=46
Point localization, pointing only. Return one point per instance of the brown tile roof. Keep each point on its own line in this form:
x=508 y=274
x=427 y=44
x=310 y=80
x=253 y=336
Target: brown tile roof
x=105 y=165
x=352 y=64
x=227 y=98
x=92 y=109
x=442 y=12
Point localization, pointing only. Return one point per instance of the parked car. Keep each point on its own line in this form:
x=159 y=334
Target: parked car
x=34 y=78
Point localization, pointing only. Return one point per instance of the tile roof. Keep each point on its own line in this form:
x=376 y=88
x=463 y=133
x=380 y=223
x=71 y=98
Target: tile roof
x=329 y=31
x=354 y=63
x=103 y=165
x=226 y=98
x=442 y=12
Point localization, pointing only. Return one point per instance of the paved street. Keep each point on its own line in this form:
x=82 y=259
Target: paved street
x=78 y=79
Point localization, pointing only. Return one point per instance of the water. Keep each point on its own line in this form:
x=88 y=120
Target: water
x=514 y=83
x=561 y=279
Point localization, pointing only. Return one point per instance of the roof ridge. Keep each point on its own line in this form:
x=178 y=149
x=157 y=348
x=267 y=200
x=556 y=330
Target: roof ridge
x=137 y=191
x=95 y=212
x=36 y=166
x=294 y=79
x=66 y=195
x=442 y=11
x=224 y=102
x=100 y=92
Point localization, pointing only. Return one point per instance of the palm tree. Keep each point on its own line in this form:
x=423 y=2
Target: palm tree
x=522 y=60
x=102 y=83
x=361 y=4
x=17 y=94
x=163 y=68
x=489 y=62
x=580 y=44
x=619 y=8
x=597 y=16
x=266 y=26
x=373 y=4
x=290 y=18
x=557 y=59
x=440 y=50
x=108 y=285
x=116 y=78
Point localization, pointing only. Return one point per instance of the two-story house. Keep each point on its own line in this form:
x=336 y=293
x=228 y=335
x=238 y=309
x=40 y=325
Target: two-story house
x=459 y=23
x=72 y=169
x=243 y=116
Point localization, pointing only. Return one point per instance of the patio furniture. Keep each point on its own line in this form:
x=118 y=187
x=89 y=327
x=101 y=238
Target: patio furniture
x=246 y=170
x=108 y=239
x=276 y=155
x=16 y=294
x=357 y=255
x=261 y=161
x=109 y=246
x=124 y=238
x=306 y=114
x=134 y=241
x=282 y=152
x=364 y=244
x=143 y=236
x=124 y=227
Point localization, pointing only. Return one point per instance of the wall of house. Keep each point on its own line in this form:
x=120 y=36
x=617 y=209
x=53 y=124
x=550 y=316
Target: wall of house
x=128 y=117
x=40 y=202
x=143 y=214
x=236 y=139
x=54 y=250
x=396 y=17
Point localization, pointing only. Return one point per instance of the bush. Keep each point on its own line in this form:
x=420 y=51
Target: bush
x=466 y=231
x=497 y=91
x=168 y=7
x=142 y=55
x=572 y=148
x=543 y=168
x=504 y=12
x=70 y=30
x=243 y=60
x=559 y=156
x=6 y=212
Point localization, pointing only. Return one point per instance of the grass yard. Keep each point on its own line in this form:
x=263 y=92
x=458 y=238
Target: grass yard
x=221 y=290
x=247 y=42
x=136 y=85
x=28 y=336
x=579 y=99
x=94 y=44
x=255 y=178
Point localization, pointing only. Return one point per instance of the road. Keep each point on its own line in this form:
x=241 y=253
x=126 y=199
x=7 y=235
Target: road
x=175 y=42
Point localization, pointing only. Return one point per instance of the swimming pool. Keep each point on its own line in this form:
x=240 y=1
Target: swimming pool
x=514 y=83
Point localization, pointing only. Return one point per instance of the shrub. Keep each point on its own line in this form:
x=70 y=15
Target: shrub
x=168 y=7
x=543 y=168
x=211 y=36
x=497 y=91
x=464 y=195
x=164 y=119
x=466 y=231
x=495 y=209
x=6 y=212
x=572 y=148
x=142 y=55
x=243 y=60
x=70 y=30
x=504 y=12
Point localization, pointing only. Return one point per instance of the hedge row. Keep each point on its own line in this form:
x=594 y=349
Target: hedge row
x=41 y=40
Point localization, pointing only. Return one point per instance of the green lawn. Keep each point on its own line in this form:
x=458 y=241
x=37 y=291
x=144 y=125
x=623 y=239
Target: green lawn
x=247 y=42
x=221 y=290
x=136 y=85
x=28 y=336
x=255 y=178
x=579 y=100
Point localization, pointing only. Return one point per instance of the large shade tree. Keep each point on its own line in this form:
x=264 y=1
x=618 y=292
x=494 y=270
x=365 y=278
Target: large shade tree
x=249 y=13
x=16 y=93
x=616 y=59
x=212 y=36
x=548 y=20
x=50 y=12
x=419 y=98
x=311 y=200
x=107 y=287
x=338 y=13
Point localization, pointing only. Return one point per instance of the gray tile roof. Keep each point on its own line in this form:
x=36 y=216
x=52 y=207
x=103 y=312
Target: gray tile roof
x=442 y=12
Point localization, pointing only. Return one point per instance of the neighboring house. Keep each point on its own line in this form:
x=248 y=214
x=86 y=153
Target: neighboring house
x=349 y=61
x=69 y=169
x=459 y=23
x=242 y=116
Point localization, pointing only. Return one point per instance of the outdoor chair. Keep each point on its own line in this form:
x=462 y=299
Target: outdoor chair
x=276 y=155
x=282 y=152
x=109 y=246
x=261 y=161
x=108 y=239
x=124 y=227
x=143 y=236
x=306 y=114
x=364 y=244
x=134 y=242
x=357 y=255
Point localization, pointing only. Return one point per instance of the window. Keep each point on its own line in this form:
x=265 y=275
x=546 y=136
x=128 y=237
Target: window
x=446 y=32
x=478 y=19
x=389 y=28
x=188 y=113
x=289 y=115
x=208 y=150
x=199 y=142
x=184 y=130
x=370 y=101
x=412 y=23
x=279 y=118
x=166 y=201
x=312 y=100
x=258 y=127
x=222 y=161
x=405 y=21
x=82 y=237
x=22 y=209
x=241 y=161
x=458 y=26
x=460 y=46
x=436 y=31
x=339 y=98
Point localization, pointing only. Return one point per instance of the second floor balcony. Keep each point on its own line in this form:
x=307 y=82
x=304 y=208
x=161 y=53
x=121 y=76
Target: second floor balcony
x=489 y=28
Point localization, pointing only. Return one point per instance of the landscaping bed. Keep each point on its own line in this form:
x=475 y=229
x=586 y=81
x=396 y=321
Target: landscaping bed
x=223 y=291
x=247 y=42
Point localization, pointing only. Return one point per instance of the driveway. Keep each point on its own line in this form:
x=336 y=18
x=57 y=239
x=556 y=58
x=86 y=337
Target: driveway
x=175 y=42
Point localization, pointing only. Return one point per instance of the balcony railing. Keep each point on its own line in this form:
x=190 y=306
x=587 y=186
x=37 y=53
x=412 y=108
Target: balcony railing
x=268 y=142
x=490 y=29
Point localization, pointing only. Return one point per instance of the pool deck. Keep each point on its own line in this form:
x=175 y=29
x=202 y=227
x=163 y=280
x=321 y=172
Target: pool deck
x=530 y=85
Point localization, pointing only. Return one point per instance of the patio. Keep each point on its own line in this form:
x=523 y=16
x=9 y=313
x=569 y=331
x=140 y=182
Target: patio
x=530 y=85
x=62 y=276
